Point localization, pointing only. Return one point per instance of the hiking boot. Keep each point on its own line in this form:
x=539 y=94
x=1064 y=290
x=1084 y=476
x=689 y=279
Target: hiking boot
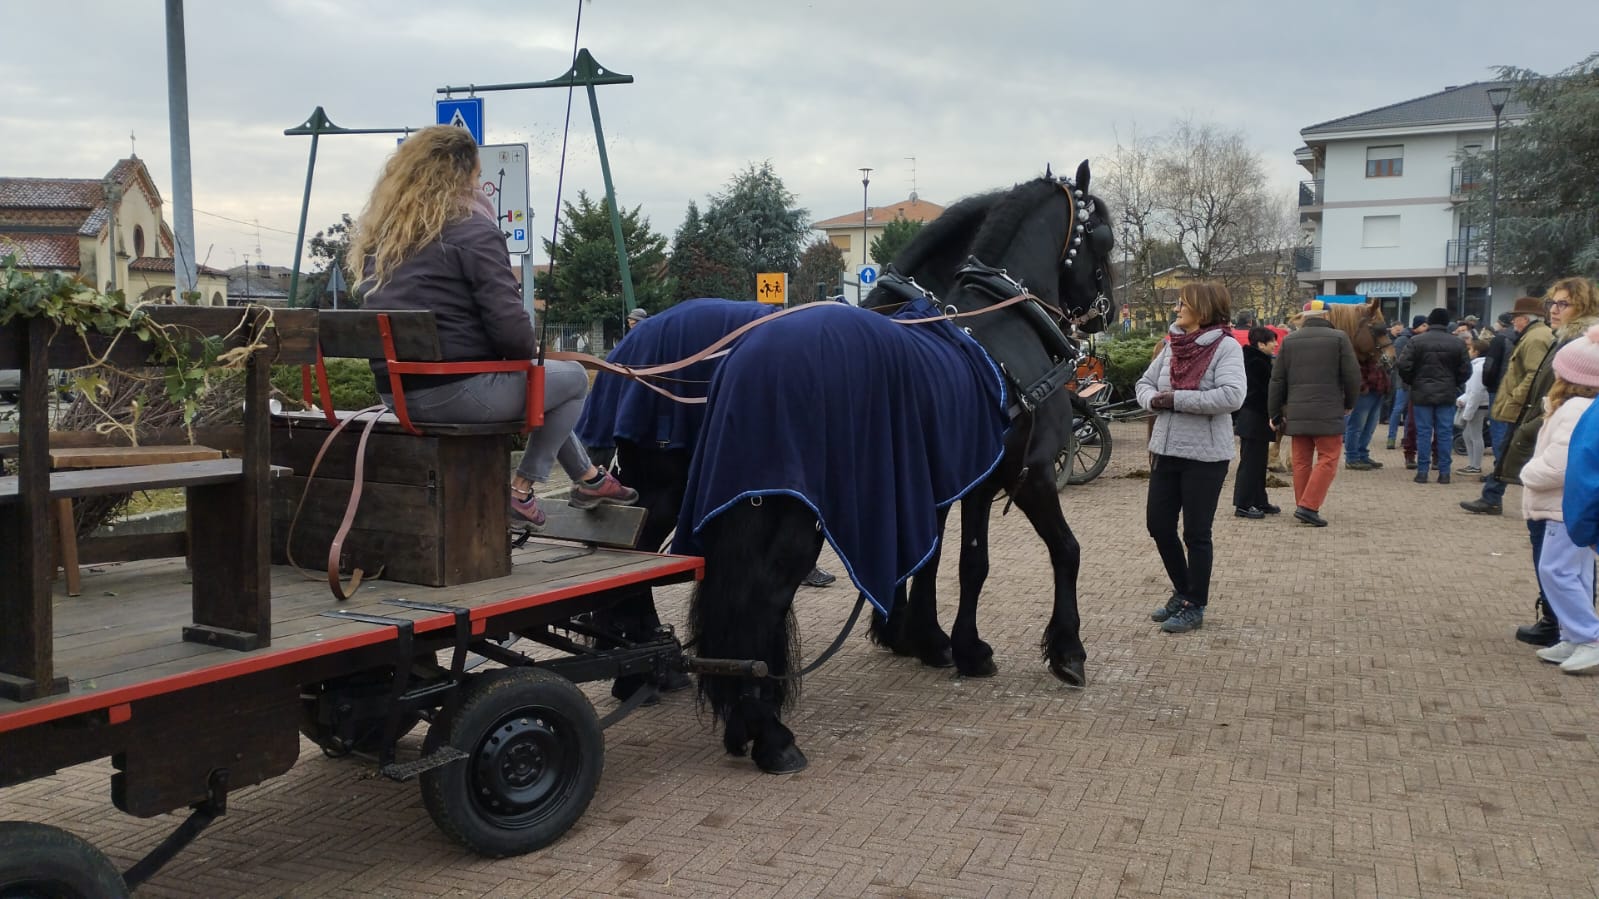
x=1191 y=618
x=526 y=514
x=1169 y=609
x=1421 y=476
x=1372 y=462
x=1251 y=513
x=1310 y=517
x=1557 y=653
x=1543 y=632
x=818 y=578
x=1410 y=463
x=1582 y=658
x=1482 y=507
x=1443 y=477
x=609 y=491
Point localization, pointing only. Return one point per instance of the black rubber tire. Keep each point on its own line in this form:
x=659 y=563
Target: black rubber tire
x=38 y=861
x=1077 y=463
x=535 y=751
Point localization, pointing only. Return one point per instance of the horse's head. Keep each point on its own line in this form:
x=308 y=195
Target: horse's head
x=934 y=256
x=1054 y=237
x=1366 y=327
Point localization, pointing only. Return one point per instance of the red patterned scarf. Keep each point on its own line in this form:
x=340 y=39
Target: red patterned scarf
x=1190 y=358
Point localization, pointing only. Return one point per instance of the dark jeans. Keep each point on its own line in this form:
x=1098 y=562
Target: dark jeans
x=1359 y=425
x=1535 y=534
x=1435 y=427
x=1192 y=489
x=1249 y=481
x=1399 y=412
x=1493 y=489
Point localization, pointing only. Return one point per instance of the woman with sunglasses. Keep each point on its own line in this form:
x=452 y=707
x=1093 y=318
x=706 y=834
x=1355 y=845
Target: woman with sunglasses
x=1194 y=385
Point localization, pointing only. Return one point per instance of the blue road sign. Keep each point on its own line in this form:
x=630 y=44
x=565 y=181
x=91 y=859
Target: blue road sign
x=867 y=274
x=463 y=113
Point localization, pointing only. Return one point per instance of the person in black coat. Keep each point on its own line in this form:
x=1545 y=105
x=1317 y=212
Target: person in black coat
x=1435 y=367
x=1254 y=429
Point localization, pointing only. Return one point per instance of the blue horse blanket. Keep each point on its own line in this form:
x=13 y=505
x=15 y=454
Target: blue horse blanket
x=873 y=425
x=619 y=407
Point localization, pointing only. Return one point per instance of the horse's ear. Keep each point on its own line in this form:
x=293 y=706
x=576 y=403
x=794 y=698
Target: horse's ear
x=1082 y=176
x=1048 y=175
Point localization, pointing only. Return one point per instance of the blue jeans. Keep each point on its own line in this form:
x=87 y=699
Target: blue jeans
x=1359 y=425
x=1493 y=489
x=1435 y=427
x=1567 y=569
x=1395 y=418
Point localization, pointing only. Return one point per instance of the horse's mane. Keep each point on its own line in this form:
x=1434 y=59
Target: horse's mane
x=1002 y=224
x=1351 y=318
x=956 y=222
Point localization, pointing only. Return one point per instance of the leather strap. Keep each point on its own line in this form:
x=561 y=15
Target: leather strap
x=336 y=547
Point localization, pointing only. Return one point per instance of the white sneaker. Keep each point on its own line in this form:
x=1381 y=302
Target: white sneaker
x=1557 y=653
x=1584 y=657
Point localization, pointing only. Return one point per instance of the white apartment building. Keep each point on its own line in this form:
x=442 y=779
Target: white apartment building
x=1384 y=208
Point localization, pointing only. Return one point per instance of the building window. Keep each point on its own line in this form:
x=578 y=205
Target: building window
x=138 y=242
x=1385 y=162
x=1379 y=231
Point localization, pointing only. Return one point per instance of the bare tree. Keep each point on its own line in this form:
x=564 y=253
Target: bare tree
x=1132 y=189
x=1212 y=187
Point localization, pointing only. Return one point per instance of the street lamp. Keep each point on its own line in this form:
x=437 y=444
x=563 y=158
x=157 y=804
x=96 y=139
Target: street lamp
x=1496 y=98
x=865 y=216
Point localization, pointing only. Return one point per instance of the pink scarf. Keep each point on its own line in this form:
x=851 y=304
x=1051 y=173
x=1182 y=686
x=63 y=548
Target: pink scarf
x=1190 y=358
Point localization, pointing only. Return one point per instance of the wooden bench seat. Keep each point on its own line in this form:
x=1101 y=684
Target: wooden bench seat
x=389 y=423
x=129 y=479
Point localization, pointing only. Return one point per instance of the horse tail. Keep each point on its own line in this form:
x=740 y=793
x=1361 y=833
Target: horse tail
x=755 y=558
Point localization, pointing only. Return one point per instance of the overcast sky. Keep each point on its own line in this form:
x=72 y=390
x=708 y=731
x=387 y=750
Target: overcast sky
x=981 y=94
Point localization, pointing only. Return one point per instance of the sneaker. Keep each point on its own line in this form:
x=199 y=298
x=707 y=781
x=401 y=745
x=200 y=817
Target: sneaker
x=1358 y=465
x=1390 y=443
x=1471 y=469
x=1372 y=462
x=1482 y=507
x=1250 y=513
x=1557 y=653
x=609 y=491
x=1584 y=657
x=1191 y=618
x=1169 y=609
x=818 y=578
x=526 y=514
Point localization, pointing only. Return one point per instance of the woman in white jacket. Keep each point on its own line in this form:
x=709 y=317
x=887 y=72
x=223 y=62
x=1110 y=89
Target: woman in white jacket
x=1565 y=570
x=1473 y=406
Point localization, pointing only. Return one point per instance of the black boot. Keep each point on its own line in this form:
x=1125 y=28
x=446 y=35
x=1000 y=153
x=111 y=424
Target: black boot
x=1543 y=632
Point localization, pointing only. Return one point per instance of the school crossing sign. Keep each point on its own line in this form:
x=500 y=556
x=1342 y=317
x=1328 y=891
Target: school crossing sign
x=772 y=288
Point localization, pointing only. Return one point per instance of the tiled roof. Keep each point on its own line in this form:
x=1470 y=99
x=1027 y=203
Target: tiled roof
x=878 y=216
x=165 y=264
x=62 y=219
x=50 y=193
x=41 y=250
x=1465 y=104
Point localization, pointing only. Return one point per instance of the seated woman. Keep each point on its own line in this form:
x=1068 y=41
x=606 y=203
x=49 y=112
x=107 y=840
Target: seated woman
x=418 y=245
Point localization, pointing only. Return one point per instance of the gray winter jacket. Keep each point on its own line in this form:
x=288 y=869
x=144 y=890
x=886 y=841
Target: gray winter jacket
x=1199 y=426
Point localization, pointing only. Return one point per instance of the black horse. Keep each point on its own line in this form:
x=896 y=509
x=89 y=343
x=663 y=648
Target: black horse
x=1056 y=239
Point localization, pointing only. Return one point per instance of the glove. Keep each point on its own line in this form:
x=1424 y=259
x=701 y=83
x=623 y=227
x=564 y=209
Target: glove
x=1162 y=400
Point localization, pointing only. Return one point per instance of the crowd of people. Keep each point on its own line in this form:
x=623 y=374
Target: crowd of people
x=1528 y=381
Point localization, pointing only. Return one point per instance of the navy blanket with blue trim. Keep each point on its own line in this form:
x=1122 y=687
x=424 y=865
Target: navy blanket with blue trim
x=874 y=425
x=619 y=407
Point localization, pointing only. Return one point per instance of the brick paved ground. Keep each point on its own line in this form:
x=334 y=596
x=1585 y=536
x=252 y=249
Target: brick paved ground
x=1353 y=721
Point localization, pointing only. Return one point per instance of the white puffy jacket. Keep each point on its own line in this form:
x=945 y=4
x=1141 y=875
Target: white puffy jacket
x=1543 y=478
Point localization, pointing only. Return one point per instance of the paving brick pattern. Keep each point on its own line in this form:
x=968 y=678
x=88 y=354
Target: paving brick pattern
x=1353 y=720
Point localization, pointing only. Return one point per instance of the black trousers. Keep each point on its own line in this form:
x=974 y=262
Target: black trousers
x=1191 y=489
x=1249 y=480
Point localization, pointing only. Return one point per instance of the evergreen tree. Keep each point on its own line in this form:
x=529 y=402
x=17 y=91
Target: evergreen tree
x=756 y=220
x=701 y=264
x=896 y=235
x=821 y=263
x=586 y=282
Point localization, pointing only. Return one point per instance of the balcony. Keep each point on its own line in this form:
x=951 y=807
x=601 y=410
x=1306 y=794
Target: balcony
x=1310 y=193
x=1307 y=259
x=1463 y=180
x=1458 y=253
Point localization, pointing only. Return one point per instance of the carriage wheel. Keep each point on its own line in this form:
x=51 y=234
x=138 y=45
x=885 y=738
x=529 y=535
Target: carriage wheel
x=1088 y=452
x=42 y=862
x=534 y=755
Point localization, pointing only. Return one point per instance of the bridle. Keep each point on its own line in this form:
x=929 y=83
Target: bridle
x=1079 y=208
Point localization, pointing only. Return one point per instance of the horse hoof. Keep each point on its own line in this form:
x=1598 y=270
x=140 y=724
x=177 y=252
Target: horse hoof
x=983 y=667
x=788 y=761
x=938 y=658
x=1070 y=673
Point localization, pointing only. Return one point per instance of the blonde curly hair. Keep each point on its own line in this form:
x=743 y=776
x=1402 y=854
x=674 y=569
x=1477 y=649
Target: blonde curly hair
x=426 y=184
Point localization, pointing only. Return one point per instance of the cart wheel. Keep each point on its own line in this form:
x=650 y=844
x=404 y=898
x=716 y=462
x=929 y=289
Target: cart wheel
x=42 y=862
x=1086 y=455
x=535 y=752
